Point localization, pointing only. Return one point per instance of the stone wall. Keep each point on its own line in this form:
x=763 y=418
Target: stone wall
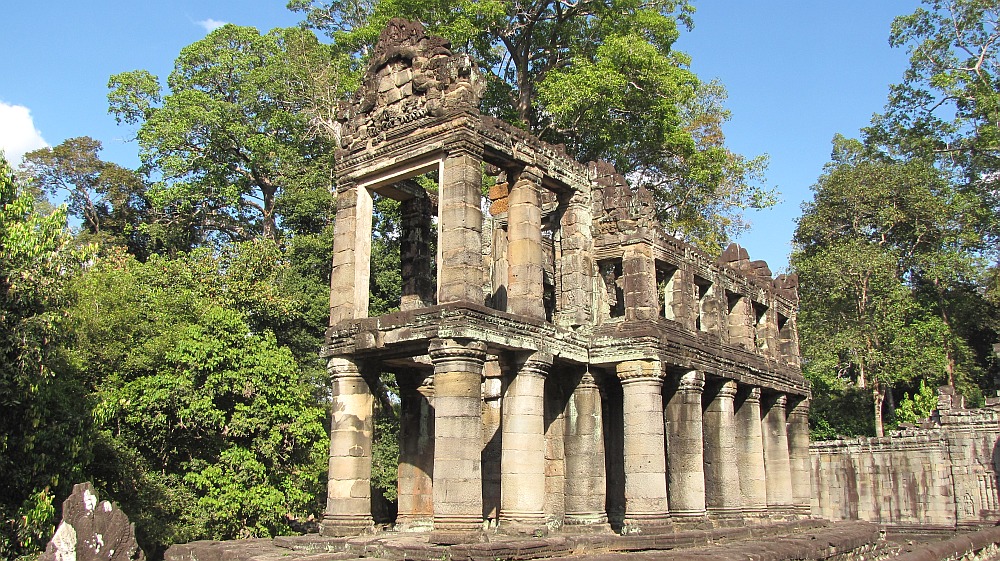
x=942 y=473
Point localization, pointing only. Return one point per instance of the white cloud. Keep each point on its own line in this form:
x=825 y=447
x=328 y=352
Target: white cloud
x=210 y=24
x=18 y=133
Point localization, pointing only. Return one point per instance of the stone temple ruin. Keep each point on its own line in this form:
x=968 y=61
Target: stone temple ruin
x=561 y=361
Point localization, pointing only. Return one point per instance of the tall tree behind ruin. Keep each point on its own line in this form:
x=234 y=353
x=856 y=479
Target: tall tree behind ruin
x=947 y=106
x=109 y=200
x=600 y=77
x=231 y=136
x=876 y=228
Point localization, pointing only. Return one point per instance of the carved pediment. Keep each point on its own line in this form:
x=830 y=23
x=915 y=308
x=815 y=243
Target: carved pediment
x=411 y=77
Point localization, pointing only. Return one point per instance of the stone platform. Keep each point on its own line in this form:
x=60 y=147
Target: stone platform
x=803 y=539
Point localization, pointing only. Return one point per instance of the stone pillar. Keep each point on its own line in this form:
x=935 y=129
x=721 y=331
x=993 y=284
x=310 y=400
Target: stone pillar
x=740 y=322
x=416 y=452
x=460 y=224
x=712 y=307
x=458 y=435
x=798 y=456
x=585 y=481
x=645 y=456
x=639 y=272
x=722 y=475
x=352 y=246
x=684 y=300
x=348 y=506
x=492 y=450
x=776 y=466
x=576 y=262
x=415 y=254
x=788 y=342
x=524 y=246
x=685 y=458
x=522 y=486
x=750 y=452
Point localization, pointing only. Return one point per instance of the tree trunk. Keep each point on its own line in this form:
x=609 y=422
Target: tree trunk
x=948 y=350
x=878 y=396
x=270 y=225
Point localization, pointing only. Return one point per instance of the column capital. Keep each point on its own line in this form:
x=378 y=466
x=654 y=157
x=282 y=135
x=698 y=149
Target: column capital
x=537 y=364
x=443 y=350
x=780 y=400
x=639 y=371
x=532 y=174
x=753 y=395
x=692 y=381
x=587 y=381
x=798 y=406
x=343 y=367
x=463 y=147
x=728 y=389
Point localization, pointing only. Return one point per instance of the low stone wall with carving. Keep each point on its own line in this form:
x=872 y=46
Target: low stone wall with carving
x=941 y=474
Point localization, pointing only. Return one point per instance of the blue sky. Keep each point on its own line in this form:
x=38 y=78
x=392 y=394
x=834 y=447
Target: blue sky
x=797 y=71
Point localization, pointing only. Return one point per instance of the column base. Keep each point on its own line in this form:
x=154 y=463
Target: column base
x=340 y=525
x=781 y=512
x=690 y=520
x=584 y=518
x=523 y=523
x=726 y=516
x=414 y=524
x=458 y=523
x=639 y=522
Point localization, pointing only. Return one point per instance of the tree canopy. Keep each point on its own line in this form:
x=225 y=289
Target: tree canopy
x=232 y=134
x=899 y=244
x=601 y=78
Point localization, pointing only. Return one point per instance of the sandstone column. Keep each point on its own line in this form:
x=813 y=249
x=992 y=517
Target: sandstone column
x=522 y=483
x=460 y=224
x=585 y=480
x=722 y=475
x=684 y=300
x=645 y=457
x=352 y=245
x=416 y=452
x=492 y=455
x=458 y=434
x=415 y=254
x=524 y=246
x=798 y=456
x=685 y=459
x=740 y=322
x=639 y=272
x=779 y=476
x=576 y=262
x=348 y=507
x=750 y=452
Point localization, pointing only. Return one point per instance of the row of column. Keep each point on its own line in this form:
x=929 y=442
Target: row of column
x=716 y=449
x=725 y=454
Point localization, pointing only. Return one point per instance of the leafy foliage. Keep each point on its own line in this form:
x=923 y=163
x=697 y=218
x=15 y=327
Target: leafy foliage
x=44 y=436
x=914 y=409
x=883 y=251
x=109 y=200
x=232 y=135
x=207 y=429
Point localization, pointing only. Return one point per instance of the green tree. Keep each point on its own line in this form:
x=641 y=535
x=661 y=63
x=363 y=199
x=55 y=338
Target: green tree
x=108 y=199
x=600 y=77
x=232 y=134
x=877 y=234
x=207 y=428
x=44 y=433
